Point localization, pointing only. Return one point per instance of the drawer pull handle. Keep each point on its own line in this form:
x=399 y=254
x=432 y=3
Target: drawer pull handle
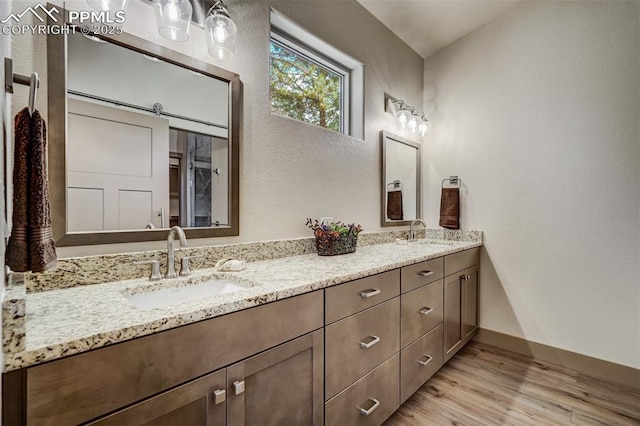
x=369 y=293
x=425 y=311
x=238 y=386
x=425 y=273
x=375 y=405
x=219 y=396
x=426 y=361
x=375 y=339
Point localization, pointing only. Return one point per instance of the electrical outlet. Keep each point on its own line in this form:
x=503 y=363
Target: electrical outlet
x=326 y=220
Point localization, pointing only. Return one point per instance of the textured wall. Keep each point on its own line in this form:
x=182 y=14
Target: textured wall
x=538 y=113
x=291 y=170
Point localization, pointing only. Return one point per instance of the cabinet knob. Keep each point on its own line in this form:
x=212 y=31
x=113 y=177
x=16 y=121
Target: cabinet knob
x=375 y=405
x=425 y=311
x=424 y=360
x=219 y=396
x=369 y=293
x=238 y=386
x=374 y=340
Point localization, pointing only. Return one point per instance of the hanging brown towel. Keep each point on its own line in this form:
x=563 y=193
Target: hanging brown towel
x=41 y=246
x=31 y=245
x=450 y=208
x=18 y=246
x=394 y=205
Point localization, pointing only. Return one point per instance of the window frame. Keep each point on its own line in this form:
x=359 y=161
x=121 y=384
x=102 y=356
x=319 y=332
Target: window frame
x=291 y=36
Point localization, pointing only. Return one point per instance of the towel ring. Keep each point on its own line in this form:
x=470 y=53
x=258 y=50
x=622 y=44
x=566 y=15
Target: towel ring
x=396 y=184
x=453 y=180
x=33 y=81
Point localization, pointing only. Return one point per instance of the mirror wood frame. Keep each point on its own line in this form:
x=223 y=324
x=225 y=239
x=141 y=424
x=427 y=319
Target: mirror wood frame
x=57 y=111
x=384 y=135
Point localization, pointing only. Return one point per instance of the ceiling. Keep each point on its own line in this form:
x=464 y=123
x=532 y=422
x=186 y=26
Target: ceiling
x=429 y=25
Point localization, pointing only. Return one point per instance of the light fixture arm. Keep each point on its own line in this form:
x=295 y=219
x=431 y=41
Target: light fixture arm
x=220 y=8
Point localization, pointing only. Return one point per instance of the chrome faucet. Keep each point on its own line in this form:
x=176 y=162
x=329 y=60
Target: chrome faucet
x=171 y=266
x=412 y=232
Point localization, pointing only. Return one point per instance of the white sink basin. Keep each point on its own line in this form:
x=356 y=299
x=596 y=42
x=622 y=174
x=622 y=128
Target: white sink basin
x=174 y=295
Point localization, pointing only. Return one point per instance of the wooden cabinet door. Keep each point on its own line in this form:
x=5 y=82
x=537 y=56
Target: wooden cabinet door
x=470 y=302
x=281 y=386
x=197 y=403
x=452 y=315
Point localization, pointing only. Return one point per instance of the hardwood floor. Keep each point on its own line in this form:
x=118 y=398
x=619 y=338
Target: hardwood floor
x=483 y=385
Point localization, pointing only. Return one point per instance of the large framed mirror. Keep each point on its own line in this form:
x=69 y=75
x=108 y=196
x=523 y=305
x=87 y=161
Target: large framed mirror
x=141 y=138
x=401 y=171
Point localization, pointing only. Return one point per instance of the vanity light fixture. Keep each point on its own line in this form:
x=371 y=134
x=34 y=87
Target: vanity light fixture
x=173 y=18
x=409 y=119
x=221 y=31
x=107 y=5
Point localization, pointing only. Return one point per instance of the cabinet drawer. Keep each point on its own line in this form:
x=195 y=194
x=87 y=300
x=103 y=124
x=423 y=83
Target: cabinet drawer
x=414 y=276
x=420 y=361
x=421 y=309
x=458 y=261
x=377 y=393
x=347 y=299
x=357 y=344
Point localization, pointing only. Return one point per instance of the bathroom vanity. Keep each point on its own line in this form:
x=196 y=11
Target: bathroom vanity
x=346 y=345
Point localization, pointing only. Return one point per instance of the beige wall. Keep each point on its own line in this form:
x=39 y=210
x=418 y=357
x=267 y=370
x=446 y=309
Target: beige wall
x=538 y=113
x=290 y=170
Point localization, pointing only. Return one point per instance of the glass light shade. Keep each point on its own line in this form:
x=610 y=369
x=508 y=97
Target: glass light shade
x=424 y=128
x=221 y=33
x=107 y=5
x=173 y=18
x=403 y=118
x=414 y=122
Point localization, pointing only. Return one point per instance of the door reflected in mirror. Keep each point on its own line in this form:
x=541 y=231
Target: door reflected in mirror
x=401 y=170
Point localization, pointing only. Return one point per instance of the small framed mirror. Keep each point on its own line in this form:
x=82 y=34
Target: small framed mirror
x=401 y=171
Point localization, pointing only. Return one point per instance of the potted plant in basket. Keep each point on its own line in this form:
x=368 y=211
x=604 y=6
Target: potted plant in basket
x=334 y=238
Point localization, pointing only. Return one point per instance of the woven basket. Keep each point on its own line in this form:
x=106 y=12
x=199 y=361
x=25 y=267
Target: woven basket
x=328 y=245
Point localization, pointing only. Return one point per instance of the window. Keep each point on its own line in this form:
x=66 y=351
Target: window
x=319 y=85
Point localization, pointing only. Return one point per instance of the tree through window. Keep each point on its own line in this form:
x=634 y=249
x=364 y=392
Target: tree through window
x=306 y=88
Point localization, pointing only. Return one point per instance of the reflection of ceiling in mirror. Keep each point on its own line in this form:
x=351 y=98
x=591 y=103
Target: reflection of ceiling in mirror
x=113 y=72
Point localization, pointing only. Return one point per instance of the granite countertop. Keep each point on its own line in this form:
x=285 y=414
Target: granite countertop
x=68 y=321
